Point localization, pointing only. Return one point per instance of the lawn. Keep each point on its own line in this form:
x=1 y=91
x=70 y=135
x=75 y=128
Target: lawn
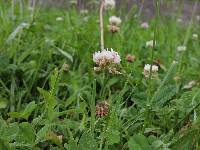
x=101 y=78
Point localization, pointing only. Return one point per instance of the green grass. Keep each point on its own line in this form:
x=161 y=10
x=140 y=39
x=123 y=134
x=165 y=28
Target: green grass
x=48 y=87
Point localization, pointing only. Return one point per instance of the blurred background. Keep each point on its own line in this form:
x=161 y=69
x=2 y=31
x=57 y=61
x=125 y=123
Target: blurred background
x=168 y=7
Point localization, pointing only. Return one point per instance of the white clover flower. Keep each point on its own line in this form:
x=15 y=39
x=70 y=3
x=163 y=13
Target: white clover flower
x=155 y=68
x=181 y=48
x=144 y=25
x=106 y=57
x=109 y=4
x=31 y=8
x=59 y=19
x=175 y=62
x=179 y=20
x=84 y=11
x=150 y=43
x=147 y=69
x=198 y=18
x=115 y=20
x=195 y=36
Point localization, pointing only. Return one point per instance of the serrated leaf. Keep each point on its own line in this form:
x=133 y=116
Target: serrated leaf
x=112 y=81
x=14 y=114
x=26 y=134
x=185 y=142
x=87 y=142
x=50 y=100
x=112 y=136
x=28 y=110
x=72 y=145
x=70 y=100
x=26 y=113
x=9 y=132
x=138 y=142
x=165 y=94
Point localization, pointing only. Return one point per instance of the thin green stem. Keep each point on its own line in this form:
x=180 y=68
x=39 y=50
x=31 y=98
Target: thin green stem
x=92 y=107
x=157 y=4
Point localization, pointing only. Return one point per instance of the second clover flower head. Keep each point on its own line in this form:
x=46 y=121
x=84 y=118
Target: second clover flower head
x=114 y=24
x=109 y=4
x=195 y=36
x=181 y=48
x=150 y=43
x=144 y=25
x=147 y=69
x=115 y=20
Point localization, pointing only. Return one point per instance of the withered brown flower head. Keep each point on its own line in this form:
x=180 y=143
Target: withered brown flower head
x=102 y=108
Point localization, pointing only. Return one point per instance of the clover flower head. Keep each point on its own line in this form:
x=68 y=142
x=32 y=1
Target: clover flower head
x=144 y=25
x=181 y=48
x=195 y=36
x=198 y=18
x=179 y=20
x=150 y=43
x=84 y=11
x=147 y=69
x=59 y=19
x=130 y=58
x=107 y=59
x=109 y=4
x=115 y=20
x=104 y=57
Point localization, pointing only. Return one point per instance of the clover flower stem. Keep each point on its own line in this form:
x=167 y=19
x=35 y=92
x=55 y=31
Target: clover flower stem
x=101 y=24
x=112 y=35
x=104 y=81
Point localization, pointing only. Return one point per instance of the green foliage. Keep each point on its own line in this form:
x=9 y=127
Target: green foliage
x=87 y=142
x=49 y=90
x=138 y=142
x=26 y=113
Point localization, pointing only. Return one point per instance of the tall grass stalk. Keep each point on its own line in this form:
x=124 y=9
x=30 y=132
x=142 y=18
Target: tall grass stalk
x=101 y=24
x=187 y=36
x=157 y=5
x=149 y=90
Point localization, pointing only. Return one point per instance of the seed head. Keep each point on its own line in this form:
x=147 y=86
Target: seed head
x=130 y=58
x=102 y=108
